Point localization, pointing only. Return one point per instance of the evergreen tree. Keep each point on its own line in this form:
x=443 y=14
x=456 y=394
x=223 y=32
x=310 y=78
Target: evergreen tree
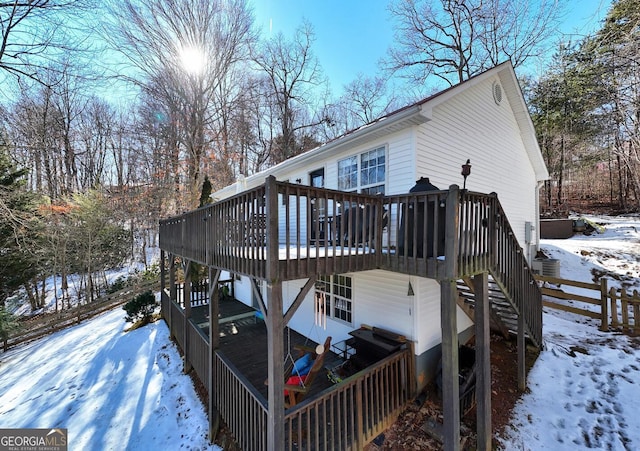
x=18 y=229
x=205 y=195
x=95 y=243
x=617 y=49
x=8 y=325
x=564 y=106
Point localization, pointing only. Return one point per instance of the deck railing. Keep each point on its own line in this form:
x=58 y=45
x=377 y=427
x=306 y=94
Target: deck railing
x=165 y=305
x=476 y=232
x=511 y=271
x=413 y=233
x=198 y=352
x=199 y=293
x=177 y=323
x=243 y=408
x=319 y=231
x=343 y=417
x=351 y=414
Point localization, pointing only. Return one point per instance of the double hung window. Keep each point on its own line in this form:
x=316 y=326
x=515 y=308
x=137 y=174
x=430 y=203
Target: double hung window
x=365 y=172
x=339 y=296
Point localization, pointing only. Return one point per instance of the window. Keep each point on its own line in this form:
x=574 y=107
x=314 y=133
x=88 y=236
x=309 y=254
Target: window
x=339 y=296
x=366 y=172
x=316 y=178
x=348 y=173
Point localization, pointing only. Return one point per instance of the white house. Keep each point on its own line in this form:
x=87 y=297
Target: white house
x=337 y=224
x=485 y=120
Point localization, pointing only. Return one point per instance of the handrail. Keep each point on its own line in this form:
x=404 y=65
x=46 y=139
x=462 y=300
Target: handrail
x=511 y=271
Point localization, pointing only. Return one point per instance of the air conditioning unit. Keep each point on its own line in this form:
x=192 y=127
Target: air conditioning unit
x=549 y=267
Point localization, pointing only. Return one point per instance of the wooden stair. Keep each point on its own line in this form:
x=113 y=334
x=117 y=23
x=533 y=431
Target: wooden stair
x=504 y=315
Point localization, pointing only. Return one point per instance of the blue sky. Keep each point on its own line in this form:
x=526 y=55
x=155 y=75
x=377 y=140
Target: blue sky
x=352 y=35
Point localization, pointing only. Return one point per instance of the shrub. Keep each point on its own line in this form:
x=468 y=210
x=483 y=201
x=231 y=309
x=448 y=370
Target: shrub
x=8 y=325
x=151 y=274
x=120 y=283
x=141 y=308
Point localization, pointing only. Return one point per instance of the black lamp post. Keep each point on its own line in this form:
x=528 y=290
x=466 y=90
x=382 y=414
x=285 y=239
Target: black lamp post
x=466 y=170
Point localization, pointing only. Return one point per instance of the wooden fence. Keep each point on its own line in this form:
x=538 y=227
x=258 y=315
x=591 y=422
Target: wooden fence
x=45 y=324
x=614 y=307
x=627 y=318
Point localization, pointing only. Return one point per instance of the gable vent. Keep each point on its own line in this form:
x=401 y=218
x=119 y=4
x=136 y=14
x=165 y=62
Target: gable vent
x=497 y=92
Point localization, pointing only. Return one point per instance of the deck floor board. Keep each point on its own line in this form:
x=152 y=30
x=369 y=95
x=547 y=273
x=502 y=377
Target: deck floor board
x=244 y=342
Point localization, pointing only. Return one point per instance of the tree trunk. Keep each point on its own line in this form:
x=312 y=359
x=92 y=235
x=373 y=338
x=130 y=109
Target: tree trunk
x=32 y=299
x=560 y=171
x=43 y=292
x=621 y=199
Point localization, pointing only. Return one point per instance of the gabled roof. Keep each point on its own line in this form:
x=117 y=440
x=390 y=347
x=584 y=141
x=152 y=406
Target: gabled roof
x=410 y=115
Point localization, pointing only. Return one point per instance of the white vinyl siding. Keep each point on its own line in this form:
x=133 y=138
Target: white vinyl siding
x=380 y=299
x=427 y=317
x=471 y=126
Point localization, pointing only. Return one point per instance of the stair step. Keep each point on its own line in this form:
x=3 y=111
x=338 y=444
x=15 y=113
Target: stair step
x=502 y=308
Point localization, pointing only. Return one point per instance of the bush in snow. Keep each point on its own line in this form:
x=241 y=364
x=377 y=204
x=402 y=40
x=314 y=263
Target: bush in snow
x=119 y=284
x=141 y=308
x=8 y=325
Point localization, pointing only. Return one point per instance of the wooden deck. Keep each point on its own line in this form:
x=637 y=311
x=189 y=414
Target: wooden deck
x=243 y=340
x=332 y=416
x=448 y=236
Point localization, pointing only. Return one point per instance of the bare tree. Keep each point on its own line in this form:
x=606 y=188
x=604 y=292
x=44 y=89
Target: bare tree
x=33 y=33
x=293 y=72
x=95 y=129
x=368 y=98
x=185 y=51
x=33 y=128
x=455 y=39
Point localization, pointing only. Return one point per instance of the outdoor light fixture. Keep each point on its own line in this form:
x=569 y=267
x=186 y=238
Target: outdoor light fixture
x=466 y=170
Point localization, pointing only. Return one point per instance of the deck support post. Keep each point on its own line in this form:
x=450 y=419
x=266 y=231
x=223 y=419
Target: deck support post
x=483 y=362
x=275 y=323
x=186 y=299
x=163 y=272
x=522 y=349
x=173 y=292
x=214 y=343
x=449 y=324
x=450 y=364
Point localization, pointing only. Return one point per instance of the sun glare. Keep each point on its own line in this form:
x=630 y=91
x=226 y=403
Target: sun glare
x=192 y=59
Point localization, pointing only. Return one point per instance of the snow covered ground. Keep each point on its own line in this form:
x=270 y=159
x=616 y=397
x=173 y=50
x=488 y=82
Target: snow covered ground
x=585 y=386
x=114 y=390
